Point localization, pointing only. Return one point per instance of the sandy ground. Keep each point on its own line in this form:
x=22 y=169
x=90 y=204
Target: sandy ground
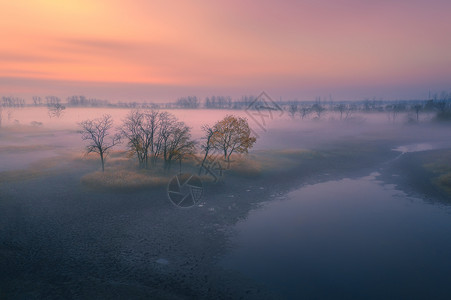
x=62 y=240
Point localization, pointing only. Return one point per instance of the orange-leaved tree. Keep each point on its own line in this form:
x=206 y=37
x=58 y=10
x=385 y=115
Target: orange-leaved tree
x=232 y=135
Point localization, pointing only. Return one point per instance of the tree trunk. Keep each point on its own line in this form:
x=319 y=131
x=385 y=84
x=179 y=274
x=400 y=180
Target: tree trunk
x=102 y=160
x=203 y=162
x=180 y=166
x=228 y=160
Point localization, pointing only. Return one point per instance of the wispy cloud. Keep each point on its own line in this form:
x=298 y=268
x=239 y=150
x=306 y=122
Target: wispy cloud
x=285 y=45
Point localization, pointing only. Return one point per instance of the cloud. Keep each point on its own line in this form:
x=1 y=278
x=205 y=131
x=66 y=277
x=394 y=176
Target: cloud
x=32 y=58
x=288 y=45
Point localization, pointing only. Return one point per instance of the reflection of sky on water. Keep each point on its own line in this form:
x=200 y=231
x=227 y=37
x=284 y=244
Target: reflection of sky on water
x=346 y=239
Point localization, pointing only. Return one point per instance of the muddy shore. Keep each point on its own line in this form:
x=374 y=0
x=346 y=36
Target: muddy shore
x=62 y=240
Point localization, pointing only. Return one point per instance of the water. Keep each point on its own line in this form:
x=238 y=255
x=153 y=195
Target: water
x=422 y=147
x=352 y=238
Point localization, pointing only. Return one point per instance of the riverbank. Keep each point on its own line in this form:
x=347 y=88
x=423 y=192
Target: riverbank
x=61 y=238
x=424 y=174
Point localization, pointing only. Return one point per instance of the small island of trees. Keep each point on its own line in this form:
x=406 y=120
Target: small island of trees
x=157 y=138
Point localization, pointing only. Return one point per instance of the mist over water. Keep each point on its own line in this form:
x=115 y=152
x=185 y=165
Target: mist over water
x=343 y=236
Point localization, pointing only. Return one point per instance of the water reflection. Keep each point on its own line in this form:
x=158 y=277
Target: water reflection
x=347 y=239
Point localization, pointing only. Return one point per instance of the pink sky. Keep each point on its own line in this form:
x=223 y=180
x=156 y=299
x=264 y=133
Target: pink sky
x=160 y=50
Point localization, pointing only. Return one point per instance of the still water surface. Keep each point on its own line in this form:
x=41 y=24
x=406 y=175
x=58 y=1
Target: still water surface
x=346 y=239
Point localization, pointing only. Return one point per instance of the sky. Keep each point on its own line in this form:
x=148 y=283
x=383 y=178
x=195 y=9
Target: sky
x=152 y=50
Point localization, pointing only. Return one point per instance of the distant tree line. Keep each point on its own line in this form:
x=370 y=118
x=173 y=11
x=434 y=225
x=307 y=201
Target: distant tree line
x=13 y=102
x=188 y=102
x=437 y=103
x=75 y=100
x=84 y=101
x=440 y=104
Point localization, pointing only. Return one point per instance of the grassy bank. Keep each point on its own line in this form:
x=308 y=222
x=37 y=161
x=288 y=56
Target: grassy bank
x=439 y=164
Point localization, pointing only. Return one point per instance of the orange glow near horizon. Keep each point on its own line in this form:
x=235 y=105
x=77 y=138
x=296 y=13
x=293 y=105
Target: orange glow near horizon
x=292 y=45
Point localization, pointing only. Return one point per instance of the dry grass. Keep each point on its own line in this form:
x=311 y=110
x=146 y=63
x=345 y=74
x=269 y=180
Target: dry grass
x=445 y=180
x=122 y=180
x=43 y=167
x=264 y=162
x=439 y=163
x=248 y=167
x=282 y=159
x=21 y=175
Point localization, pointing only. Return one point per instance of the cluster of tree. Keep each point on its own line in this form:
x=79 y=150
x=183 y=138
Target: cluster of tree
x=52 y=100
x=214 y=102
x=37 y=101
x=219 y=102
x=133 y=105
x=75 y=100
x=188 y=102
x=56 y=110
x=13 y=102
x=84 y=101
x=345 y=110
x=439 y=104
x=316 y=109
x=152 y=135
x=226 y=102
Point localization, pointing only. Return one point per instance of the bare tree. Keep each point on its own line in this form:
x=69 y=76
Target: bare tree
x=341 y=108
x=140 y=129
x=305 y=111
x=95 y=132
x=131 y=130
x=345 y=110
x=319 y=109
x=150 y=127
x=208 y=143
x=233 y=135
x=350 y=109
x=52 y=100
x=417 y=108
x=393 y=112
x=443 y=106
x=165 y=122
x=37 y=100
x=56 y=110
x=179 y=144
x=292 y=110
